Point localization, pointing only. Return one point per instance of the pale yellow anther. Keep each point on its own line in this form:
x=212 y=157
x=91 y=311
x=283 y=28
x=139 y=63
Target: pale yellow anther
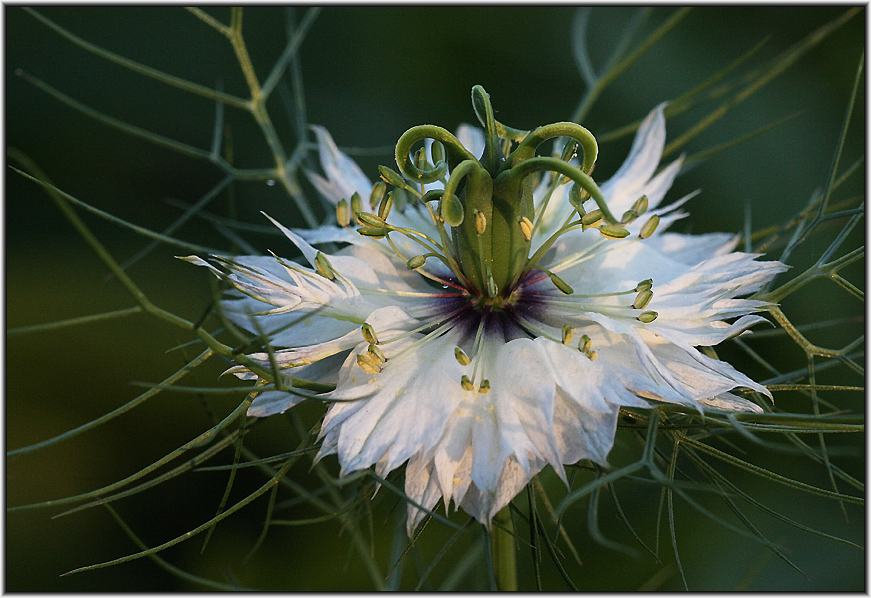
x=368 y=364
x=584 y=343
x=647 y=317
x=642 y=299
x=466 y=383
x=356 y=205
x=378 y=191
x=323 y=266
x=369 y=334
x=480 y=222
x=649 y=227
x=343 y=213
x=593 y=355
x=377 y=353
x=526 y=227
x=461 y=356
x=568 y=335
x=485 y=387
x=640 y=205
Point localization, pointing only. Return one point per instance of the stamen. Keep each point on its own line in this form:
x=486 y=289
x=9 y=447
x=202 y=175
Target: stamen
x=343 y=213
x=416 y=262
x=484 y=388
x=593 y=355
x=584 y=344
x=647 y=317
x=591 y=218
x=568 y=335
x=356 y=204
x=369 y=334
x=370 y=219
x=461 y=356
x=378 y=191
x=642 y=299
x=385 y=206
x=377 y=353
x=613 y=231
x=376 y=233
x=629 y=217
x=640 y=205
x=525 y=227
x=323 y=266
x=644 y=284
x=466 y=383
x=649 y=227
x=368 y=364
x=480 y=222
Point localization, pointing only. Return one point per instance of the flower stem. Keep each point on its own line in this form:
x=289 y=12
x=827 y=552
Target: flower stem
x=504 y=557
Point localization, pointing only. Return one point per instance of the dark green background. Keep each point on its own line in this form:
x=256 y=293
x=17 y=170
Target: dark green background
x=369 y=74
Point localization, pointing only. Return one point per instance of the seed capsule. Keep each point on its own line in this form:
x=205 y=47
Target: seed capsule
x=369 y=334
x=591 y=218
x=642 y=299
x=461 y=356
x=378 y=191
x=415 y=262
x=323 y=266
x=568 y=335
x=343 y=213
x=526 y=228
x=647 y=317
x=649 y=227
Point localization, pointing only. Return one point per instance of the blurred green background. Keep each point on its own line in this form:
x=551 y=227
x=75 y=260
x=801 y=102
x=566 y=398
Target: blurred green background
x=368 y=74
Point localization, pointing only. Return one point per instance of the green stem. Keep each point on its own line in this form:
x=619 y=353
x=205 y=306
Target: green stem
x=504 y=553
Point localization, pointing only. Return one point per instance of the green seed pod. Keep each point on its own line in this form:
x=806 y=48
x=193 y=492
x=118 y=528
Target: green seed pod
x=415 y=262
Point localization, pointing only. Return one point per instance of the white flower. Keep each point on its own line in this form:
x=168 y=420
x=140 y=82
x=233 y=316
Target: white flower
x=516 y=343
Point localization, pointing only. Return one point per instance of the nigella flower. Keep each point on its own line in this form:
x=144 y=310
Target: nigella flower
x=494 y=325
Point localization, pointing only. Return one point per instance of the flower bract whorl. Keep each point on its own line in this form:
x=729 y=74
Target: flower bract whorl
x=497 y=318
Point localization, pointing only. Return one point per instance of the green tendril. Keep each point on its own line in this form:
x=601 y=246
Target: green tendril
x=454 y=149
x=526 y=149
